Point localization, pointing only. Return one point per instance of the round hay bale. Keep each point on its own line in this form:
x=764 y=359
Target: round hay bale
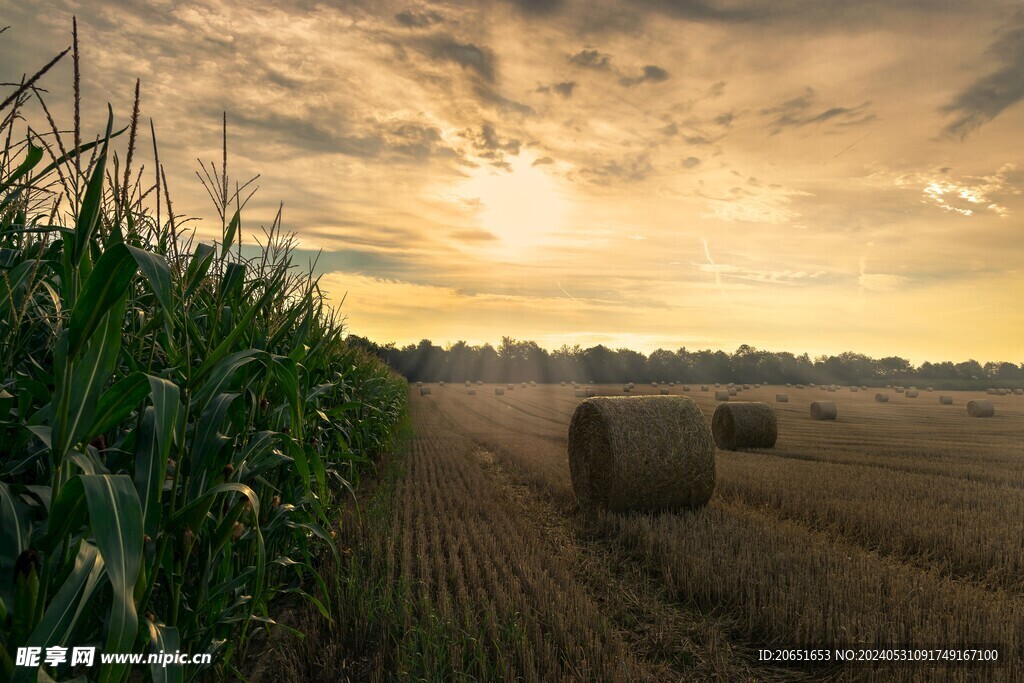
x=631 y=385
x=757 y=386
x=1018 y=392
x=789 y=384
x=424 y=391
x=510 y=387
x=642 y=453
x=882 y=398
x=832 y=389
x=654 y=384
x=479 y=382
x=717 y=385
x=590 y=392
x=782 y=398
x=853 y=390
x=911 y=393
x=722 y=395
x=900 y=390
x=704 y=387
x=563 y=384
x=471 y=392
x=686 y=387
x=579 y=393
x=811 y=385
x=929 y=389
x=499 y=391
x=523 y=385
x=946 y=400
x=468 y=383
x=625 y=389
x=441 y=383
x=732 y=392
x=1002 y=392
x=663 y=392
x=746 y=386
x=744 y=425
x=823 y=410
x=419 y=384
x=799 y=386
x=533 y=383
x=980 y=408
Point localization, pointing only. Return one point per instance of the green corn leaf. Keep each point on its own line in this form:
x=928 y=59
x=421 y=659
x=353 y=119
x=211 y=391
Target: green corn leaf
x=198 y=266
x=116 y=519
x=149 y=472
x=223 y=373
x=165 y=639
x=32 y=157
x=12 y=284
x=14 y=529
x=92 y=203
x=79 y=385
x=234 y=274
x=230 y=230
x=106 y=285
x=117 y=403
x=208 y=441
x=155 y=268
x=62 y=612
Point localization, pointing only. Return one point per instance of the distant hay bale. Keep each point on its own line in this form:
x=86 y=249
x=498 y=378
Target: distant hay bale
x=563 y=384
x=991 y=391
x=980 y=408
x=643 y=453
x=441 y=383
x=811 y=385
x=499 y=391
x=732 y=392
x=533 y=383
x=746 y=386
x=789 y=384
x=1018 y=392
x=419 y=384
x=471 y=392
x=882 y=398
x=717 y=385
x=479 y=382
x=863 y=387
x=853 y=390
x=1002 y=392
x=686 y=387
x=722 y=395
x=823 y=388
x=468 y=383
x=782 y=398
x=900 y=390
x=799 y=386
x=744 y=425
x=580 y=393
x=929 y=389
x=946 y=400
x=591 y=392
x=424 y=391
x=832 y=389
x=654 y=384
x=663 y=392
x=911 y=393
x=626 y=389
x=523 y=385
x=823 y=410
x=631 y=385
x=510 y=387
x=704 y=387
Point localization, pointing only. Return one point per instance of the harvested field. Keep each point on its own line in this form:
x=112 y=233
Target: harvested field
x=798 y=544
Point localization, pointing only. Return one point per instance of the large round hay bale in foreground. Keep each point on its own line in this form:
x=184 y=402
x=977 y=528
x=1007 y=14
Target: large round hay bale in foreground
x=721 y=395
x=645 y=453
x=499 y=391
x=782 y=398
x=882 y=398
x=744 y=425
x=946 y=400
x=424 y=391
x=823 y=410
x=980 y=408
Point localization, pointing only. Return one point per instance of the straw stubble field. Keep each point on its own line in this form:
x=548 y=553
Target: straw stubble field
x=899 y=523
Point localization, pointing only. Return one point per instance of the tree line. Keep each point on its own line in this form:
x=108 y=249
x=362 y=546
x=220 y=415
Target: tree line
x=522 y=361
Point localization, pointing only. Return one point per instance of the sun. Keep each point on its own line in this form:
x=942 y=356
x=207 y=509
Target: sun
x=523 y=206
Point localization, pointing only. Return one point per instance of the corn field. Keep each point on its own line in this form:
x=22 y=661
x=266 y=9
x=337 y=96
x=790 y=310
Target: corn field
x=178 y=418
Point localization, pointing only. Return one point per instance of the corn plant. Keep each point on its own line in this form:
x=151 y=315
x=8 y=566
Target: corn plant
x=178 y=418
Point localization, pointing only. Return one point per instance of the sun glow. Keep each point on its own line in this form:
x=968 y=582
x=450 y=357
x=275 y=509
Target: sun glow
x=523 y=207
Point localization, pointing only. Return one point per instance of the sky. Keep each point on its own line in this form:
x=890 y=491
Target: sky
x=804 y=175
